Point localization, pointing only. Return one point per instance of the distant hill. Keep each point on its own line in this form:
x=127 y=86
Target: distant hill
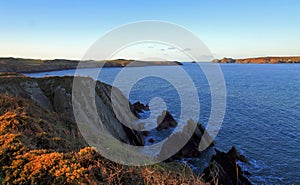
x=21 y=65
x=260 y=60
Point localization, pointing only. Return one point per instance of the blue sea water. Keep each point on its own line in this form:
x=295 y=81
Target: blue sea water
x=262 y=117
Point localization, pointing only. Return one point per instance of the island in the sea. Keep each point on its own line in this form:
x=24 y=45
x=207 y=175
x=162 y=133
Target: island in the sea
x=260 y=60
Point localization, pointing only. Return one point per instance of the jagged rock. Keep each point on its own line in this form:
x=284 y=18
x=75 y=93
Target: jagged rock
x=138 y=107
x=165 y=121
x=151 y=140
x=191 y=148
x=223 y=168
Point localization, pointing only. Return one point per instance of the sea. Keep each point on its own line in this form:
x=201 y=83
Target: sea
x=262 y=113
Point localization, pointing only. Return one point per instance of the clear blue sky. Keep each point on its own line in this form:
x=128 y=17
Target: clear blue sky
x=66 y=28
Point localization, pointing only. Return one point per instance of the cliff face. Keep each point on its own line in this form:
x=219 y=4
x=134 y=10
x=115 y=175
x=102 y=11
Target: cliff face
x=51 y=97
x=260 y=60
x=41 y=144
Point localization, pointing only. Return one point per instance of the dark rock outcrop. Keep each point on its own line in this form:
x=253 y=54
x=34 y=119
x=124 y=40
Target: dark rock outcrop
x=166 y=121
x=151 y=140
x=191 y=147
x=138 y=107
x=224 y=169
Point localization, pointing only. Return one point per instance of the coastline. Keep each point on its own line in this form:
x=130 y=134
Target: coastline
x=260 y=60
x=20 y=65
x=41 y=121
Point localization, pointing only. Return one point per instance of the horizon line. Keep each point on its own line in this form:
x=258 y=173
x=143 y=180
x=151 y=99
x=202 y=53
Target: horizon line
x=128 y=59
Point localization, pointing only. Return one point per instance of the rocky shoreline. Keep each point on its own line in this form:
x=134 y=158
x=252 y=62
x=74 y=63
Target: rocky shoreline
x=37 y=124
x=260 y=60
x=223 y=167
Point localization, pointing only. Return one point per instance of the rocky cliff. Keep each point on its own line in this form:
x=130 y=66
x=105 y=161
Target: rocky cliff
x=260 y=60
x=54 y=95
x=40 y=142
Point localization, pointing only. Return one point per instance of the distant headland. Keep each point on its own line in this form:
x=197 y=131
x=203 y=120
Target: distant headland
x=21 y=65
x=260 y=60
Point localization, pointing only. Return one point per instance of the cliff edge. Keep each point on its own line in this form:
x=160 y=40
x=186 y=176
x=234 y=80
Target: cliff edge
x=40 y=142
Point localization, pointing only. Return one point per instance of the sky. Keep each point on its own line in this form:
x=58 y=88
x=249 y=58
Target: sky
x=51 y=29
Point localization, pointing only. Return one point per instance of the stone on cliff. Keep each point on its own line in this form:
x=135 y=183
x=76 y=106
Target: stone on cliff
x=165 y=121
